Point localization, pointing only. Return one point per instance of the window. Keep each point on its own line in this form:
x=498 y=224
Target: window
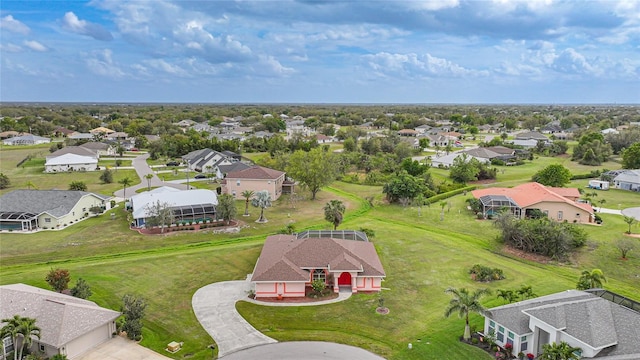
x=510 y=341
x=546 y=213
x=559 y=215
x=500 y=334
x=84 y=209
x=238 y=183
x=510 y=335
x=319 y=274
x=492 y=327
x=47 y=220
x=41 y=347
x=523 y=343
x=7 y=344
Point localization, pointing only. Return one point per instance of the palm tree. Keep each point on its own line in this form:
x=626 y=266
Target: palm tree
x=27 y=329
x=591 y=279
x=11 y=329
x=30 y=184
x=463 y=303
x=148 y=177
x=333 y=212
x=562 y=351
x=419 y=201
x=247 y=195
x=262 y=200
x=125 y=182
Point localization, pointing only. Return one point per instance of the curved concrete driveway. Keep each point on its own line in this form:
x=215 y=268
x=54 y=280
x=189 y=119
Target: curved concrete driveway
x=215 y=309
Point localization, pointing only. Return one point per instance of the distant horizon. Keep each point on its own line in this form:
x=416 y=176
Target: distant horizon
x=321 y=52
x=3 y=103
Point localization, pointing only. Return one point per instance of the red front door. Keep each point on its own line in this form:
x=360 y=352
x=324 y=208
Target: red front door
x=344 y=279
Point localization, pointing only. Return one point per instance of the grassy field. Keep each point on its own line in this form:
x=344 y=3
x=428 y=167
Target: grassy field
x=422 y=256
x=32 y=172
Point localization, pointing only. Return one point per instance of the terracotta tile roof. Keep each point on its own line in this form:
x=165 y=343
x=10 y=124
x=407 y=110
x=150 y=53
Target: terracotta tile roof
x=255 y=172
x=284 y=257
x=566 y=192
x=531 y=193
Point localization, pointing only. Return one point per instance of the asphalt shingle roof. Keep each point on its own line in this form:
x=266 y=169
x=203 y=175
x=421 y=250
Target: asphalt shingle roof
x=61 y=318
x=255 y=172
x=54 y=202
x=284 y=256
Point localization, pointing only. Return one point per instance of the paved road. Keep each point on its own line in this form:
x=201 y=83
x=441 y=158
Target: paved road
x=633 y=212
x=308 y=350
x=142 y=169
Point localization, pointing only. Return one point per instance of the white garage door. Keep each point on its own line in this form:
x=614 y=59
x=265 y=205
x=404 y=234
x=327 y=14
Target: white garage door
x=88 y=341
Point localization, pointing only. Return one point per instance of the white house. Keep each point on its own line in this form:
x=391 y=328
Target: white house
x=187 y=205
x=27 y=139
x=628 y=180
x=70 y=162
x=599 y=327
x=68 y=325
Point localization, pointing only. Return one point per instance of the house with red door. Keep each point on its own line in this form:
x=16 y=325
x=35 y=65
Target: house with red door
x=342 y=259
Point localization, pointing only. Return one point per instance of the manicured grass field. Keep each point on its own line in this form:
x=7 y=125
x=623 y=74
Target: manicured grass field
x=32 y=171
x=422 y=256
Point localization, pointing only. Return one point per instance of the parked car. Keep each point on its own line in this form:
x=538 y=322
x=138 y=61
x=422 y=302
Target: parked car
x=173 y=163
x=201 y=176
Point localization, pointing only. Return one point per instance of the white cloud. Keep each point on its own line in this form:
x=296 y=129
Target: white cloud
x=11 y=48
x=166 y=67
x=72 y=23
x=35 y=46
x=100 y=62
x=431 y=5
x=410 y=65
x=8 y=23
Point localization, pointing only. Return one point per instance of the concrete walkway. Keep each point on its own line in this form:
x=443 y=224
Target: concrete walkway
x=214 y=307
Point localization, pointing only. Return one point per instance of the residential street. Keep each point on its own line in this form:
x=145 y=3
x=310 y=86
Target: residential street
x=142 y=169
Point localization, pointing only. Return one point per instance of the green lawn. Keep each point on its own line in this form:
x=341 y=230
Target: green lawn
x=421 y=255
x=32 y=172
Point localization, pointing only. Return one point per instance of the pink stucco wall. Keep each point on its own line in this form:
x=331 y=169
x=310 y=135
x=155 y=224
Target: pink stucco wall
x=286 y=289
x=273 y=186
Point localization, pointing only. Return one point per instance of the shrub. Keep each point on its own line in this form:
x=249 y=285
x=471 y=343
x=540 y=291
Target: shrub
x=484 y=273
x=439 y=197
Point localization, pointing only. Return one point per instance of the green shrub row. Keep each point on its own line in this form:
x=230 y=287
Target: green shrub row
x=448 y=194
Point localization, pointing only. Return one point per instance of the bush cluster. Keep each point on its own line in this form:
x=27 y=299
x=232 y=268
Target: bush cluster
x=541 y=236
x=484 y=273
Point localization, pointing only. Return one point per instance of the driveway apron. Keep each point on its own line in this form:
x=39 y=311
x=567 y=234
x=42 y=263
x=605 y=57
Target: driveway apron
x=214 y=306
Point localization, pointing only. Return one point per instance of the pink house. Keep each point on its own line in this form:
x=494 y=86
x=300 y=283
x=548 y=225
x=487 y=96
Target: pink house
x=289 y=263
x=255 y=178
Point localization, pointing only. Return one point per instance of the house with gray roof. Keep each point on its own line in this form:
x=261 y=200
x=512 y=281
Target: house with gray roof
x=68 y=325
x=29 y=210
x=288 y=264
x=601 y=328
x=628 y=180
x=26 y=139
x=207 y=160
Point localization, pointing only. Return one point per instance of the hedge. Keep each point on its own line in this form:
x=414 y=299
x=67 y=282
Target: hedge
x=448 y=194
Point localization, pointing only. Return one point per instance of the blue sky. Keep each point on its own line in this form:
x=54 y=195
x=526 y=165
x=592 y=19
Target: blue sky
x=322 y=51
